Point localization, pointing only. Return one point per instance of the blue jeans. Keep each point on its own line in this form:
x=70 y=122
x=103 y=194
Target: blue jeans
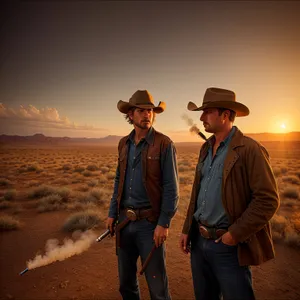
x=216 y=271
x=136 y=239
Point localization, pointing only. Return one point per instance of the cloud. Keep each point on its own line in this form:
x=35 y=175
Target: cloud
x=31 y=116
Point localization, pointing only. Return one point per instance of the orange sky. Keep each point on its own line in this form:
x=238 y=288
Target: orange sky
x=63 y=73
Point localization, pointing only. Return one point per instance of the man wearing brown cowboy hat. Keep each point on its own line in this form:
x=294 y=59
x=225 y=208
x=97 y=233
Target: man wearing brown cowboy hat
x=233 y=198
x=145 y=198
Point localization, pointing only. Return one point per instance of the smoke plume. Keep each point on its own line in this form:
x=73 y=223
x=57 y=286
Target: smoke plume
x=193 y=128
x=55 y=252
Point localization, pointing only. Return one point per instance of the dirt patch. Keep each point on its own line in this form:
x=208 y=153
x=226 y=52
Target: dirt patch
x=93 y=274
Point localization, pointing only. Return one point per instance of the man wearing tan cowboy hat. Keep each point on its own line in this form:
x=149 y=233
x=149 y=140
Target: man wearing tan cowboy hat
x=145 y=198
x=233 y=198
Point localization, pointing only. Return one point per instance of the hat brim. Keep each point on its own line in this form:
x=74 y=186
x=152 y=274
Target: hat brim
x=240 y=109
x=124 y=107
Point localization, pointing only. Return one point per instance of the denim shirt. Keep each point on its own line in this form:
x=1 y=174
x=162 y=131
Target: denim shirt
x=134 y=192
x=210 y=210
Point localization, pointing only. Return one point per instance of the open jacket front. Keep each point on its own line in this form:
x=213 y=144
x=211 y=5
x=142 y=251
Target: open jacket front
x=152 y=170
x=249 y=196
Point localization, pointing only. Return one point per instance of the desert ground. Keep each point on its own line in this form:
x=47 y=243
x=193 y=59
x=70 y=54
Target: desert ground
x=49 y=193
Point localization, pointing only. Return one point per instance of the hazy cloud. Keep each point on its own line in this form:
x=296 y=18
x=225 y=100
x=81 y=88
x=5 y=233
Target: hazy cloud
x=43 y=118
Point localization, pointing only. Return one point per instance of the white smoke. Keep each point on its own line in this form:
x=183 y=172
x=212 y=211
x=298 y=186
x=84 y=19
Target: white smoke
x=56 y=252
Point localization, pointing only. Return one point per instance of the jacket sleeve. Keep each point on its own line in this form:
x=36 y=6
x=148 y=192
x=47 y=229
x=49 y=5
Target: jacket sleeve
x=170 y=186
x=264 y=194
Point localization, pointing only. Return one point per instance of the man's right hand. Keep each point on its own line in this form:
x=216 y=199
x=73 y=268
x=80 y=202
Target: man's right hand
x=110 y=224
x=183 y=243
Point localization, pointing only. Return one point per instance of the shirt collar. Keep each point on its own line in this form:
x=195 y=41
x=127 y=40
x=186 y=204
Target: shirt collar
x=226 y=141
x=148 y=138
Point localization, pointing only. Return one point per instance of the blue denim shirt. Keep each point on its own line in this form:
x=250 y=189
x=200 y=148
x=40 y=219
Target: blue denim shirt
x=210 y=210
x=134 y=193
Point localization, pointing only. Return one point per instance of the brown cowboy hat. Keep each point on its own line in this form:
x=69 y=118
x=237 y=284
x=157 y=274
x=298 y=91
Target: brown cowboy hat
x=141 y=99
x=220 y=98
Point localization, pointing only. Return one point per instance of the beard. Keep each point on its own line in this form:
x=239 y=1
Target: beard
x=144 y=124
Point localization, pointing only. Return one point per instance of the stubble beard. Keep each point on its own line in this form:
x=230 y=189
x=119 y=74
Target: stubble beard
x=143 y=124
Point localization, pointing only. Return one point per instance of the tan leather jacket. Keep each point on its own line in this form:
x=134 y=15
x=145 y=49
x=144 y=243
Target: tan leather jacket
x=249 y=196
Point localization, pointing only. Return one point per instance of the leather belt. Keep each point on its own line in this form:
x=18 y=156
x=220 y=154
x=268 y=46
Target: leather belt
x=138 y=213
x=131 y=216
x=211 y=232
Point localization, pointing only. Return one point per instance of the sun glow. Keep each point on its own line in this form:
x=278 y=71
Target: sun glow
x=283 y=126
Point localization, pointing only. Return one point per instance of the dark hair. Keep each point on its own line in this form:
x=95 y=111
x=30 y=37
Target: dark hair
x=232 y=114
x=132 y=109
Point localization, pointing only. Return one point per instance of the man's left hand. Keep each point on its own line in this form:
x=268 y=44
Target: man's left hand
x=227 y=239
x=160 y=235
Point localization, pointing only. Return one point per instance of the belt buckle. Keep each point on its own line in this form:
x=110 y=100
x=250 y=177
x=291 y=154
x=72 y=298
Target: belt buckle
x=204 y=232
x=131 y=215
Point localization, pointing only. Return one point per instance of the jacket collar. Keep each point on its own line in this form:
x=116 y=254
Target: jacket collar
x=149 y=137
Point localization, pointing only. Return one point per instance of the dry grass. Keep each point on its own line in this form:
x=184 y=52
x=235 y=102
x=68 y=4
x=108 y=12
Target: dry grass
x=81 y=179
x=8 y=223
x=83 y=221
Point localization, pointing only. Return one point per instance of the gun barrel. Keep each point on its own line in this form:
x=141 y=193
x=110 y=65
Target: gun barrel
x=103 y=235
x=24 y=271
x=202 y=135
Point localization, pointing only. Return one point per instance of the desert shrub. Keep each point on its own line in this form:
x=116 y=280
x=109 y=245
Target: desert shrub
x=82 y=221
x=92 y=168
x=22 y=170
x=291 y=179
x=9 y=223
x=110 y=175
x=87 y=173
x=10 y=195
x=93 y=182
x=182 y=168
x=289 y=202
x=41 y=191
x=66 y=167
x=101 y=195
x=185 y=178
x=82 y=188
x=292 y=239
x=33 y=168
x=79 y=169
x=5 y=182
x=45 y=190
x=276 y=171
x=283 y=170
x=291 y=192
x=104 y=170
x=103 y=180
x=184 y=162
x=50 y=203
x=279 y=224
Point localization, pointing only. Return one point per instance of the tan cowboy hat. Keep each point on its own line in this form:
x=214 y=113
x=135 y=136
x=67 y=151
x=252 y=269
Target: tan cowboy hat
x=220 y=98
x=141 y=99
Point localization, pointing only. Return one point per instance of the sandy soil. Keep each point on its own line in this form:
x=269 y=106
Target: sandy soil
x=93 y=274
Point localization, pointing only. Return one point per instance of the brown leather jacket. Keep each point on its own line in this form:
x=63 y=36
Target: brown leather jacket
x=249 y=196
x=151 y=166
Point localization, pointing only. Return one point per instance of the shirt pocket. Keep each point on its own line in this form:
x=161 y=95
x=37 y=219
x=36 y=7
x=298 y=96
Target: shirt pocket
x=153 y=157
x=153 y=165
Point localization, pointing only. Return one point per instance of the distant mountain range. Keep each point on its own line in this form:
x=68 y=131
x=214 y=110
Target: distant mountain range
x=42 y=139
x=39 y=139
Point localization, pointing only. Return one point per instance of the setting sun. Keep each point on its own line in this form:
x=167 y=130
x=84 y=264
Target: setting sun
x=283 y=126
